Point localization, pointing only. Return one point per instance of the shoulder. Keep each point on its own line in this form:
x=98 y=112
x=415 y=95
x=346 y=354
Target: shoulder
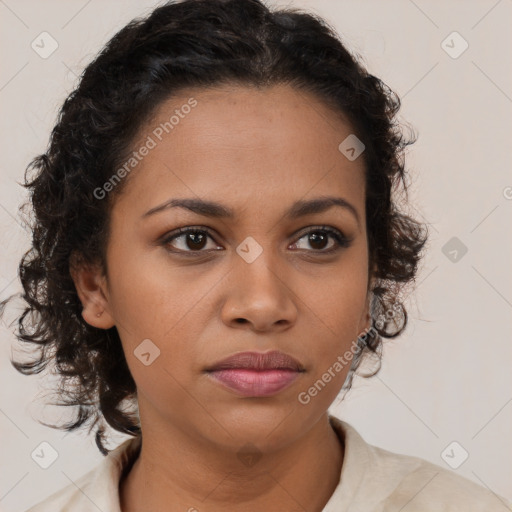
x=424 y=486
x=70 y=497
x=379 y=480
x=95 y=490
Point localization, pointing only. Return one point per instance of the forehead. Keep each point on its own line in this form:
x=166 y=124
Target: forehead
x=278 y=117
x=245 y=144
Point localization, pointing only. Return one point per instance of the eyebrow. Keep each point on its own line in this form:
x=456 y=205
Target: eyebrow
x=212 y=209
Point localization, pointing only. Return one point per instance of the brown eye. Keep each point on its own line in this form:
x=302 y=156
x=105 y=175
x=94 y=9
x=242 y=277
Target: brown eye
x=318 y=240
x=190 y=240
x=195 y=240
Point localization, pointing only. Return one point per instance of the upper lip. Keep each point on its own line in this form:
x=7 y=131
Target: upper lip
x=272 y=360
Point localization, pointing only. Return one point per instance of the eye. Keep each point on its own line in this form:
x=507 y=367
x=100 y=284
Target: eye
x=191 y=240
x=319 y=237
x=195 y=240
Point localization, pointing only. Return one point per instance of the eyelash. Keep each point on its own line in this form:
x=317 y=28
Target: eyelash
x=342 y=241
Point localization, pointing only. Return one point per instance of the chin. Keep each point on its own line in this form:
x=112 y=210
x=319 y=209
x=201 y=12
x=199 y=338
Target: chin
x=268 y=428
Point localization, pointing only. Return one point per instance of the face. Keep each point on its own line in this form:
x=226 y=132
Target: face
x=267 y=277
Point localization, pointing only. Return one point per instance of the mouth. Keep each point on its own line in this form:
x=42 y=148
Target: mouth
x=256 y=374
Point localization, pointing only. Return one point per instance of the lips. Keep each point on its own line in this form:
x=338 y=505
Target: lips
x=273 y=360
x=256 y=374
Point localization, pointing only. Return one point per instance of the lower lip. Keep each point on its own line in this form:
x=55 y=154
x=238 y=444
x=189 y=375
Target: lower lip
x=254 y=382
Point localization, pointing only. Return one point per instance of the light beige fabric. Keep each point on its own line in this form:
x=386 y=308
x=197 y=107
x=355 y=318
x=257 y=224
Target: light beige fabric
x=372 y=480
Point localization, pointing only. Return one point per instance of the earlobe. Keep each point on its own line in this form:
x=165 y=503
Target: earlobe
x=366 y=323
x=366 y=319
x=91 y=288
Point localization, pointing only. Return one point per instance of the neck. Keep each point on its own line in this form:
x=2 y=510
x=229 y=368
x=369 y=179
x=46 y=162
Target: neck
x=175 y=472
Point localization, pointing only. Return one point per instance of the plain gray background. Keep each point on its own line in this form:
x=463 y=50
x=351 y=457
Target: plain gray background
x=447 y=378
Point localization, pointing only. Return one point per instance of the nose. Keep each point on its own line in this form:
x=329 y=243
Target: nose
x=259 y=297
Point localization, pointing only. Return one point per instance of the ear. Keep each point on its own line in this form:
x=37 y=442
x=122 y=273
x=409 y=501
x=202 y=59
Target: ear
x=91 y=286
x=365 y=322
x=366 y=319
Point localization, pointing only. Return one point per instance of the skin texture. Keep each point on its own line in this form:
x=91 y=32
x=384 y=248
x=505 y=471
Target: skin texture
x=256 y=151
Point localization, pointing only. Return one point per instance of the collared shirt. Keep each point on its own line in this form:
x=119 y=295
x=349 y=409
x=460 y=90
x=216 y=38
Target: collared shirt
x=372 y=480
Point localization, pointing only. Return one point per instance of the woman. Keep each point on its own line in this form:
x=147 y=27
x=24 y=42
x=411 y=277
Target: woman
x=216 y=249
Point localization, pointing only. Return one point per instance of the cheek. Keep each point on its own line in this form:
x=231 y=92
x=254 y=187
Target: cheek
x=334 y=343
x=153 y=300
x=157 y=330
x=146 y=296
x=339 y=322
x=338 y=316
x=341 y=297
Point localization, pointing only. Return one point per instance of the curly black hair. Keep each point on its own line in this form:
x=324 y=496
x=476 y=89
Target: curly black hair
x=192 y=43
